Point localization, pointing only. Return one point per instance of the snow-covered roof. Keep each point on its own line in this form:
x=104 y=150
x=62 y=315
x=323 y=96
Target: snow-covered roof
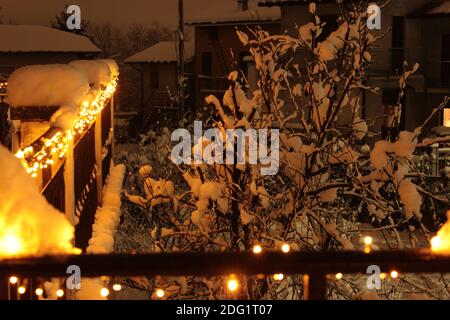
x=443 y=8
x=431 y=8
x=270 y=3
x=21 y=38
x=227 y=11
x=164 y=51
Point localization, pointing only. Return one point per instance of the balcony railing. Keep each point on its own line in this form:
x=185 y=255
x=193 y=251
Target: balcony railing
x=314 y=265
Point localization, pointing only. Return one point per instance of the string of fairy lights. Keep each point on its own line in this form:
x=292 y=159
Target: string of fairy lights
x=232 y=281
x=42 y=154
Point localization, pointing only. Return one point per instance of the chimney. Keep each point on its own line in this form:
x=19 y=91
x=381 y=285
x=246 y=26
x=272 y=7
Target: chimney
x=242 y=5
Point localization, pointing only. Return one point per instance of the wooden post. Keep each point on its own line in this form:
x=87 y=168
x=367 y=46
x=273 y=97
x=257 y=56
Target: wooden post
x=69 y=184
x=315 y=286
x=98 y=157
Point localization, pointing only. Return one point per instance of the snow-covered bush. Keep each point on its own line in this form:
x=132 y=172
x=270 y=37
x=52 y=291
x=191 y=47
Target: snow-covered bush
x=329 y=181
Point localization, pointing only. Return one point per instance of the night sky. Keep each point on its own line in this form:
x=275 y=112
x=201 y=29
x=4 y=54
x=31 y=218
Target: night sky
x=117 y=12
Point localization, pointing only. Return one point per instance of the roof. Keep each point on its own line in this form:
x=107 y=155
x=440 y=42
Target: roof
x=227 y=11
x=432 y=8
x=21 y=38
x=164 y=51
x=271 y=3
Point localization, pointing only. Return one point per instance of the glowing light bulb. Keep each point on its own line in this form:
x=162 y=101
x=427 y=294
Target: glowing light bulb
x=436 y=242
x=278 y=277
x=13 y=280
x=60 y=293
x=104 y=292
x=382 y=276
x=368 y=241
x=367 y=250
x=117 y=287
x=339 y=276
x=285 y=248
x=21 y=290
x=232 y=284
x=39 y=292
x=394 y=274
x=257 y=249
x=160 y=293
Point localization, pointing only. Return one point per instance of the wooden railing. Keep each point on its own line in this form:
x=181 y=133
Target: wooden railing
x=315 y=265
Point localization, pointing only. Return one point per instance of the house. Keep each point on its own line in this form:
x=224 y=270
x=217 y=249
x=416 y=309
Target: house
x=420 y=32
x=23 y=45
x=157 y=66
x=218 y=49
x=26 y=45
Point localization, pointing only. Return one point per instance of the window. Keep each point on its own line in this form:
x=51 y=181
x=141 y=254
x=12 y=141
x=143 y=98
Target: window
x=207 y=63
x=243 y=65
x=446 y=121
x=398 y=43
x=213 y=34
x=154 y=80
x=445 y=60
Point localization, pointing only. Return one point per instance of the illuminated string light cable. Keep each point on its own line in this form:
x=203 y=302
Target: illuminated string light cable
x=41 y=154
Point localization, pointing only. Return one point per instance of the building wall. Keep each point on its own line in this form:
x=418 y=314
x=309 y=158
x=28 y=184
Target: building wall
x=422 y=44
x=222 y=61
x=11 y=61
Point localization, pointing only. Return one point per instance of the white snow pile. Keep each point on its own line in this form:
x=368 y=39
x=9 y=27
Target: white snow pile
x=107 y=219
x=29 y=226
x=46 y=85
x=98 y=72
x=113 y=67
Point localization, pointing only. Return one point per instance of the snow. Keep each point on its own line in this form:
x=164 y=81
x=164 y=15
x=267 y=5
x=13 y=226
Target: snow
x=29 y=225
x=47 y=85
x=164 y=51
x=107 y=217
x=98 y=72
x=410 y=198
x=23 y=38
x=113 y=67
x=443 y=8
x=223 y=11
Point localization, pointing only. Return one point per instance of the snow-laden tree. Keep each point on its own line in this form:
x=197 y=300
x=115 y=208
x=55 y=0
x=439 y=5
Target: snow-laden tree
x=329 y=179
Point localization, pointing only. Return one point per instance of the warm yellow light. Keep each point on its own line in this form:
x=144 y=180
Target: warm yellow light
x=339 y=276
x=160 y=293
x=117 y=287
x=367 y=249
x=10 y=244
x=13 y=280
x=285 y=248
x=21 y=290
x=382 y=276
x=394 y=274
x=39 y=292
x=436 y=242
x=60 y=293
x=257 y=249
x=278 y=277
x=104 y=292
x=368 y=241
x=232 y=284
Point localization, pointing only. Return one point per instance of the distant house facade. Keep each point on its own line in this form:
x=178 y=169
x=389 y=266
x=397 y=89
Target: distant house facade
x=22 y=45
x=157 y=66
x=419 y=32
x=218 y=49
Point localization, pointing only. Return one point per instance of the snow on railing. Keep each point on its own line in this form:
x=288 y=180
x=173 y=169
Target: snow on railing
x=67 y=124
